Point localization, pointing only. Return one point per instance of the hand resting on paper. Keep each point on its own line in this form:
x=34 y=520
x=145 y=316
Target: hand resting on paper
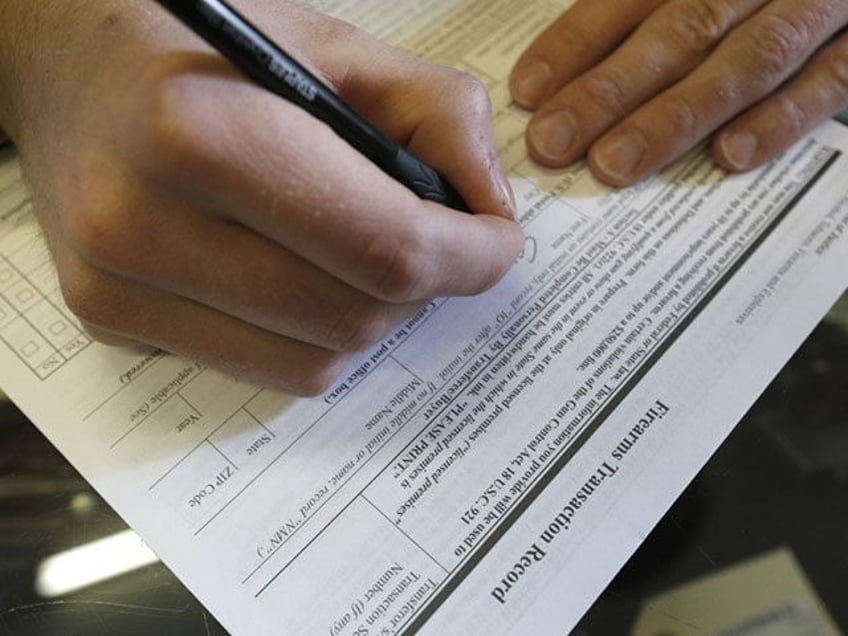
x=634 y=84
x=188 y=209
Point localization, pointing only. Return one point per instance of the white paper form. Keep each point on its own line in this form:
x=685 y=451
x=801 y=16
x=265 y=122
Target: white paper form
x=491 y=464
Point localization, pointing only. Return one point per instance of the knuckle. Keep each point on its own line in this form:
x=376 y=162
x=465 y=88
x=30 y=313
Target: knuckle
x=794 y=120
x=604 y=88
x=473 y=92
x=318 y=376
x=86 y=295
x=471 y=86
x=358 y=328
x=697 y=25
x=104 y=231
x=399 y=266
x=169 y=131
x=777 y=44
x=836 y=67
x=682 y=117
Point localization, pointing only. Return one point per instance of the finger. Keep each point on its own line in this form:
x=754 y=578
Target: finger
x=751 y=62
x=665 y=48
x=441 y=114
x=586 y=33
x=173 y=247
x=290 y=178
x=397 y=92
x=457 y=138
x=121 y=308
x=106 y=337
x=771 y=127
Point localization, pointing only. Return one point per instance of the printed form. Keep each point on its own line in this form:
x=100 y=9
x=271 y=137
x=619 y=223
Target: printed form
x=491 y=465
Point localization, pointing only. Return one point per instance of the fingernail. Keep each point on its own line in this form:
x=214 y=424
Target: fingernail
x=739 y=149
x=552 y=135
x=529 y=83
x=507 y=195
x=618 y=156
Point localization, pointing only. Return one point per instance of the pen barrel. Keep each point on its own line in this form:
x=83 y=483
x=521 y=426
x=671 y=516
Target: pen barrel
x=424 y=181
x=272 y=68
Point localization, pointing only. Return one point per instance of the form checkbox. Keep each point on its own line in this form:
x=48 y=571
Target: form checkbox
x=25 y=295
x=30 y=349
x=58 y=328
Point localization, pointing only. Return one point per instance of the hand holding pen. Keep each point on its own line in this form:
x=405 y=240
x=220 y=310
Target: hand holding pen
x=261 y=59
x=191 y=209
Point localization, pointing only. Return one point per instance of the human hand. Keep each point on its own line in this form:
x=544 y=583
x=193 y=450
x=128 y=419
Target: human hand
x=188 y=209
x=637 y=83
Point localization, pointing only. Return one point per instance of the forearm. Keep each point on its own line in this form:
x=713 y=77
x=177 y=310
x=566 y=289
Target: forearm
x=43 y=48
x=23 y=26
x=9 y=14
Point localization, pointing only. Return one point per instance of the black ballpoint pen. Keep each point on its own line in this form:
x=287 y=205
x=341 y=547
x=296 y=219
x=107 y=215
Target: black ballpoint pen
x=272 y=68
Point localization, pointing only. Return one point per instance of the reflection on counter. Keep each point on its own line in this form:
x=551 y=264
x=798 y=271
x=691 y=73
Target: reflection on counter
x=768 y=595
x=91 y=563
x=57 y=537
x=781 y=479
